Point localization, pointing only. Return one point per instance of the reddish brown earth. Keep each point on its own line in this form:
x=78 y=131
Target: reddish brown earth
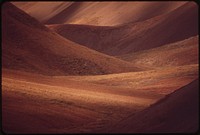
x=175 y=113
x=70 y=105
x=184 y=52
x=53 y=85
x=96 y=13
x=43 y=11
x=29 y=46
x=176 y=25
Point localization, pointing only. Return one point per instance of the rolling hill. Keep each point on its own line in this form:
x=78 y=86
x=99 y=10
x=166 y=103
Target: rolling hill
x=29 y=46
x=184 y=52
x=174 y=26
x=136 y=73
x=33 y=103
x=176 y=113
x=96 y=13
x=42 y=11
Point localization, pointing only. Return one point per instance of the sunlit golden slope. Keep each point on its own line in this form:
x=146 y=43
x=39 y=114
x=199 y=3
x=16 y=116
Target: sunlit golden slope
x=32 y=103
x=165 y=77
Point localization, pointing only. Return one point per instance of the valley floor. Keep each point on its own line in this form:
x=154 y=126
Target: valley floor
x=33 y=103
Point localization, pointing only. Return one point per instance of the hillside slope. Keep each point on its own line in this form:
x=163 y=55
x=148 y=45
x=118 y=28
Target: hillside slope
x=29 y=46
x=174 y=26
x=33 y=103
x=42 y=11
x=184 y=52
x=96 y=13
x=176 y=113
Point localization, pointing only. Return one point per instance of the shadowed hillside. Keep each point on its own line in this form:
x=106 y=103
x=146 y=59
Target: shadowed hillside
x=176 y=113
x=29 y=46
x=96 y=13
x=175 y=26
x=42 y=11
x=100 y=67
